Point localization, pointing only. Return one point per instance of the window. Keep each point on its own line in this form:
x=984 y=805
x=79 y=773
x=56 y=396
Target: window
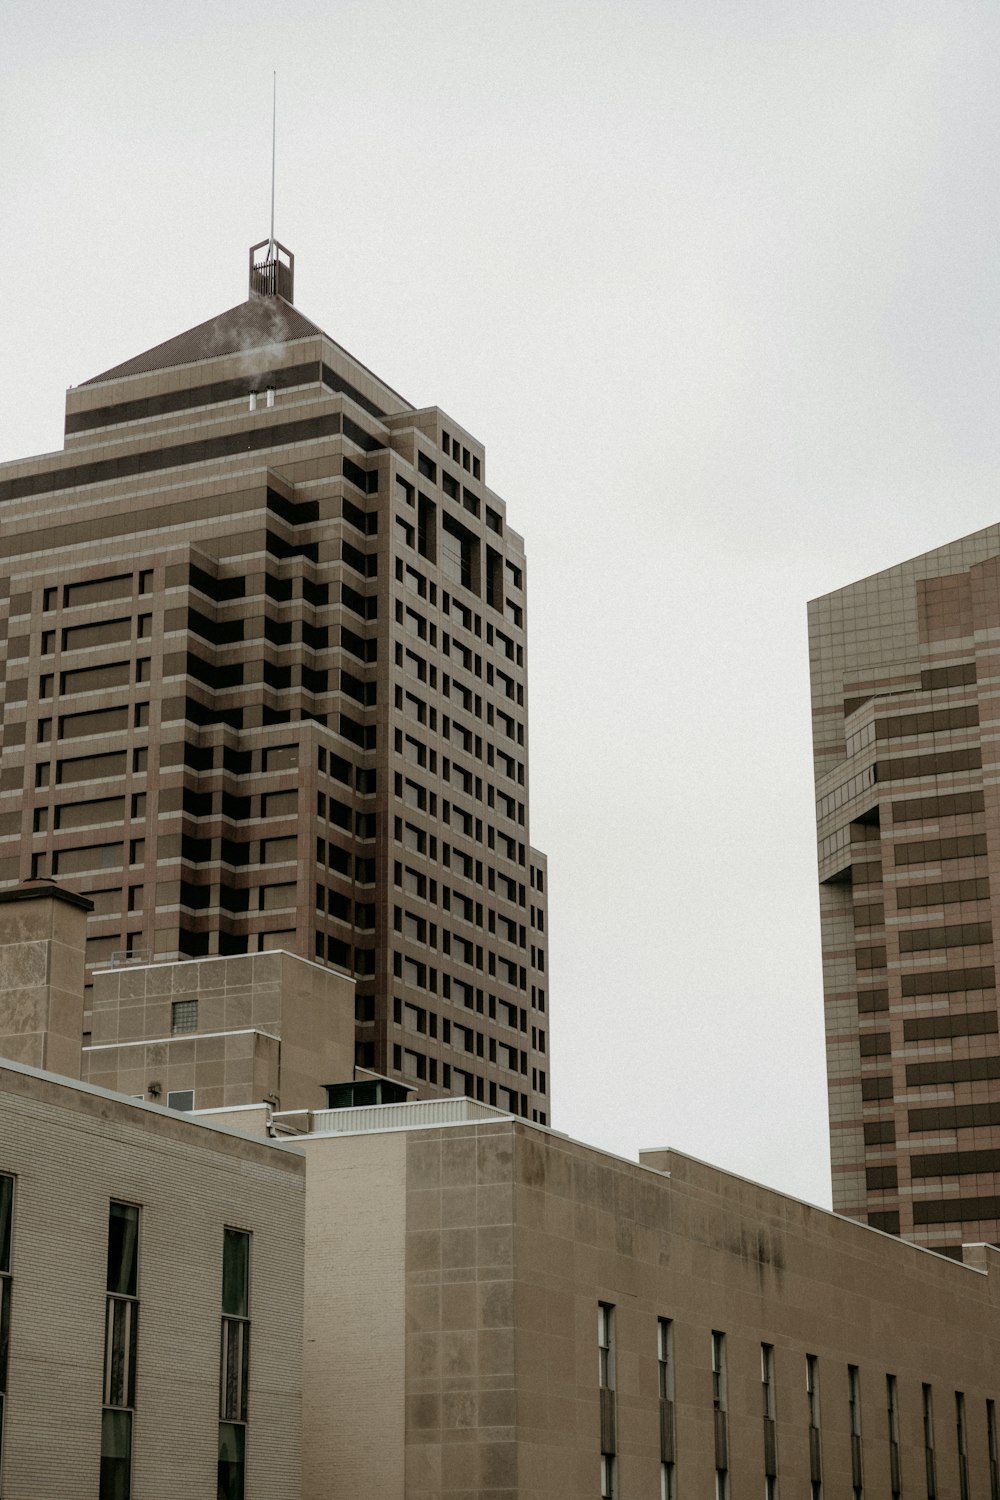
x=892 y=1419
x=930 y=1461
x=6 y=1226
x=665 y=1355
x=719 y=1397
x=458 y=554
x=606 y=1387
x=991 y=1441
x=120 y=1341
x=234 y=1375
x=182 y=1099
x=769 y=1409
x=183 y=1016
x=963 y=1446
x=815 y=1442
x=854 y=1412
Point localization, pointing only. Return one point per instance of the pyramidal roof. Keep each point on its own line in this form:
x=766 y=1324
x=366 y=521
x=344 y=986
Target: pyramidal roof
x=255 y=324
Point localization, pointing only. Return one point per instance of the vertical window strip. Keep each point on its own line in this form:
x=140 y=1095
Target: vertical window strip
x=770 y=1413
x=815 y=1431
x=854 y=1410
x=668 y=1434
x=961 y=1437
x=892 y=1420
x=930 y=1461
x=606 y=1391
x=121 y=1334
x=991 y=1443
x=234 y=1364
x=719 y=1399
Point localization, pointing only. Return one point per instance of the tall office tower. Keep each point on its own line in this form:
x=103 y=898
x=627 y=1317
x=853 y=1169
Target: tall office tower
x=264 y=686
x=906 y=701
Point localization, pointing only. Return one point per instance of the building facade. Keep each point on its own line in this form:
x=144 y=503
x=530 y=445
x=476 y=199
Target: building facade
x=433 y=1300
x=543 y=1321
x=264 y=684
x=905 y=699
x=151 y=1283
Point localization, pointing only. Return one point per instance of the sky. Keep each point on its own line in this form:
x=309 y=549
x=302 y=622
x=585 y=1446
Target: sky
x=715 y=281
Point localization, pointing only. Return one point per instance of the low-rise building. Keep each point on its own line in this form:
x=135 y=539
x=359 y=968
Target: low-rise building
x=151 y=1277
x=430 y=1300
x=495 y=1310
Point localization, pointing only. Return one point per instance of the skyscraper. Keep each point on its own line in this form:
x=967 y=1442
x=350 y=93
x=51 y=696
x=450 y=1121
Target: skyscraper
x=264 y=674
x=905 y=687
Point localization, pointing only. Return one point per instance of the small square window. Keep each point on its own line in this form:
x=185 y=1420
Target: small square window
x=183 y=1016
x=182 y=1099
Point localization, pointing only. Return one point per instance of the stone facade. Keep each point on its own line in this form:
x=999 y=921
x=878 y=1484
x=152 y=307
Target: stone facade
x=229 y=1031
x=72 y=1151
x=42 y=947
x=505 y=1239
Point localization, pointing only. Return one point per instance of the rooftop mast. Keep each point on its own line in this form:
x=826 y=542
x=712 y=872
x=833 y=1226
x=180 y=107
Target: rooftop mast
x=274 y=116
x=274 y=275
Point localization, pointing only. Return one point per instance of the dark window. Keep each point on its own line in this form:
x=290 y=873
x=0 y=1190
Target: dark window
x=120 y=1344
x=235 y=1363
x=459 y=560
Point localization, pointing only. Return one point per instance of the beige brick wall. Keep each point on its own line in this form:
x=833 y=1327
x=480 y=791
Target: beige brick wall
x=72 y=1151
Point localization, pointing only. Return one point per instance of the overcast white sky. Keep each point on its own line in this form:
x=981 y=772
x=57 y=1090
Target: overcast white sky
x=716 y=281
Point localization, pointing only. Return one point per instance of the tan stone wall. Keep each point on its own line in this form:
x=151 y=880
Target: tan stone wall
x=72 y=1151
x=290 y=1025
x=355 y=1352
x=461 y=1359
x=513 y=1236
x=41 y=983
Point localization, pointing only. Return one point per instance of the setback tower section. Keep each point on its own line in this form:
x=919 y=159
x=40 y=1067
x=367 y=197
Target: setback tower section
x=906 y=702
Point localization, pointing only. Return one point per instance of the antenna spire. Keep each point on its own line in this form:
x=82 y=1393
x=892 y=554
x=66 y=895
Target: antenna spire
x=274 y=114
x=274 y=275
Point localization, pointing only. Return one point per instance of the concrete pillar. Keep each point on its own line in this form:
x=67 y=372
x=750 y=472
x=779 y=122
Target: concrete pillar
x=42 y=954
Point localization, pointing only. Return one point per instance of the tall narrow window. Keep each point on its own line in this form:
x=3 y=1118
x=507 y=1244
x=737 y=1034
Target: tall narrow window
x=991 y=1442
x=6 y=1226
x=234 y=1374
x=930 y=1463
x=606 y=1384
x=121 y=1334
x=815 y=1435
x=770 y=1412
x=668 y=1447
x=892 y=1418
x=719 y=1397
x=962 y=1440
x=854 y=1412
